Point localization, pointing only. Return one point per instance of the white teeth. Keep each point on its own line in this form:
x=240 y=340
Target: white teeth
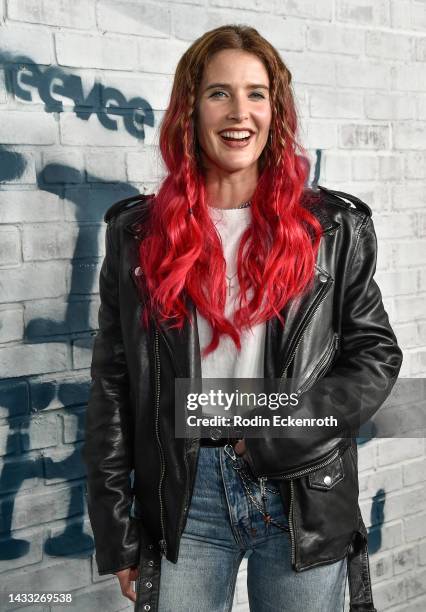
x=237 y=135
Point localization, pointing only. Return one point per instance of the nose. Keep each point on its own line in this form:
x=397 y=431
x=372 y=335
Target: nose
x=238 y=110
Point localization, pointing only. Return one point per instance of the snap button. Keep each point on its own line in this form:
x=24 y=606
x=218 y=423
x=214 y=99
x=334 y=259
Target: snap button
x=147 y=607
x=150 y=563
x=138 y=271
x=148 y=585
x=215 y=434
x=327 y=480
x=322 y=278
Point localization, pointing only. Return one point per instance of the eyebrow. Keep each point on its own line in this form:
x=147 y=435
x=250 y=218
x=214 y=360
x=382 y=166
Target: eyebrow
x=249 y=86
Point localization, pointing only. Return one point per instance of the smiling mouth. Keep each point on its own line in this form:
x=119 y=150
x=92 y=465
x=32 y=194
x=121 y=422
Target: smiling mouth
x=234 y=136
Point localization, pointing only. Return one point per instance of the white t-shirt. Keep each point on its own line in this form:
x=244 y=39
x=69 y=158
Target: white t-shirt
x=225 y=361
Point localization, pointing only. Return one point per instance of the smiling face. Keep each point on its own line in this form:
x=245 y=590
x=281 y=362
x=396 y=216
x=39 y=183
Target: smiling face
x=233 y=111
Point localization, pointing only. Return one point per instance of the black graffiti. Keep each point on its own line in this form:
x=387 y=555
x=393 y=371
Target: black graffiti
x=107 y=103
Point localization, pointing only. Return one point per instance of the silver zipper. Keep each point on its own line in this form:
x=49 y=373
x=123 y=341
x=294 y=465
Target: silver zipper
x=290 y=524
x=319 y=299
x=321 y=366
x=163 y=541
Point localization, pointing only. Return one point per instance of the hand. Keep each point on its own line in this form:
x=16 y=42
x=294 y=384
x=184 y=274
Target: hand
x=126 y=576
x=240 y=448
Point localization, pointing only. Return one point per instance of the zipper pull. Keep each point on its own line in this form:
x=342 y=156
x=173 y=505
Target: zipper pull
x=229 y=450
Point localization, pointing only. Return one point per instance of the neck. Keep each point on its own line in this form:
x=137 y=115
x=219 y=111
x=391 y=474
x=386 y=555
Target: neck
x=230 y=190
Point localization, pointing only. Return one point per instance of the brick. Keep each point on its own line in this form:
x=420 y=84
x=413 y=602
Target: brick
x=12 y=327
x=11 y=561
x=395 y=225
x=64 y=241
x=364 y=168
x=81 y=50
x=335 y=39
x=53 y=317
x=62 y=166
x=82 y=352
x=369 y=12
x=400 y=14
x=60 y=466
x=412 y=253
x=335 y=167
x=32 y=280
x=388 y=45
x=422 y=552
x=415 y=164
x=396 y=450
x=388 y=479
x=392 y=105
x=380 y=567
x=21 y=474
x=96 y=202
x=154 y=89
x=66 y=575
x=80 y=14
x=142 y=19
x=409 y=196
x=145 y=165
x=160 y=56
x=10 y=246
x=105 y=166
x=389 y=593
x=14 y=398
x=335 y=105
x=371 y=136
x=82 y=277
x=23 y=127
x=64 y=390
x=421 y=49
x=397 y=283
x=76 y=131
x=420 y=106
x=399 y=505
x=74 y=426
x=385 y=537
x=38 y=508
x=319 y=134
x=416 y=584
x=414 y=527
x=404 y=559
x=41 y=432
x=18 y=168
x=407 y=77
x=366 y=456
x=9 y=441
x=371 y=74
x=18 y=42
x=23 y=360
x=310 y=68
x=391 y=167
x=20 y=206
x=3 y=93
x=409 y=135
x=414 y=472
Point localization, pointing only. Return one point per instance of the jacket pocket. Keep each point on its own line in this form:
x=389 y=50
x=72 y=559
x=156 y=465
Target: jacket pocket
x=323 y=364
x=327 y=477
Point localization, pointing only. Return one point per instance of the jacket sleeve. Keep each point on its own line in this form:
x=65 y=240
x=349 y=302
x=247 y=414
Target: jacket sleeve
x=354 y=387
x=107 y=449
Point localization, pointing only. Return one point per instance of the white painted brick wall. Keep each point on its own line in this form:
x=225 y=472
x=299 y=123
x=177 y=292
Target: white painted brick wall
x=67 y=153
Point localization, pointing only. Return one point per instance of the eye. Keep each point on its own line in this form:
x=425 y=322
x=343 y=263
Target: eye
x=257 y=93
x=215 y=94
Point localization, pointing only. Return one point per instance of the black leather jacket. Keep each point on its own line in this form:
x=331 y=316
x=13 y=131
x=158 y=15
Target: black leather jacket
x=140 y=478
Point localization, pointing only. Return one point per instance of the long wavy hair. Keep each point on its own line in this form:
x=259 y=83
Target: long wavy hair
x=181 y=253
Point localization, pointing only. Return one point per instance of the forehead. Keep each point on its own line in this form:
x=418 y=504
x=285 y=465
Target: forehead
x=235 y=65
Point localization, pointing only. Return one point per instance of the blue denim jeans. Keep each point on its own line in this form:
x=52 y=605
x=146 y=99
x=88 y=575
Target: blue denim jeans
x=223 y=526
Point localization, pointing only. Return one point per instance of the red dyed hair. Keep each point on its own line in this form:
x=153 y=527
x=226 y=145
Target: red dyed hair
x=181 y=252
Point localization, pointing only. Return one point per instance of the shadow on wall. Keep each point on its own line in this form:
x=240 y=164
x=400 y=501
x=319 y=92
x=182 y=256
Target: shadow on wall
x=24 y=399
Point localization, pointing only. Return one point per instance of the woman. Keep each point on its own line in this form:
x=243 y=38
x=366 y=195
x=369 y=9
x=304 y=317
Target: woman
x=235 y=269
